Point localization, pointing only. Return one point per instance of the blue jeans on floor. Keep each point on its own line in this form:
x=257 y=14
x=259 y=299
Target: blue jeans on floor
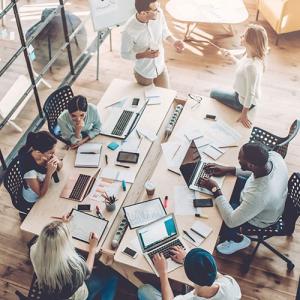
x=228 y=97
x=102 y=283
x=148 y=292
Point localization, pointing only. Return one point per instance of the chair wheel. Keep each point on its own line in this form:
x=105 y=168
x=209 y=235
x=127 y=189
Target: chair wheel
x=290 y=266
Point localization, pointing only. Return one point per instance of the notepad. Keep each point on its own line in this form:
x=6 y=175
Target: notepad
x=199 y=232
x=88 y=155
x=82 y=224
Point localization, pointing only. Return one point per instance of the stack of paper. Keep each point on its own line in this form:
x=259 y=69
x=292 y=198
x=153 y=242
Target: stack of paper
x=88 y=155
x=152 y=95
x=198 y=232
x=117 y=175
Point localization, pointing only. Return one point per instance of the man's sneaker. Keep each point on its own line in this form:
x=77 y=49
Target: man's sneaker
x=229 y=247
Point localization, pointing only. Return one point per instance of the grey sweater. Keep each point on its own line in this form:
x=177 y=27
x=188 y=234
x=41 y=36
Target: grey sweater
x=262 y=199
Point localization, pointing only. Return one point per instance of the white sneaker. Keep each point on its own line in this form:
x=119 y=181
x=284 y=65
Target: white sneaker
x=229 y=247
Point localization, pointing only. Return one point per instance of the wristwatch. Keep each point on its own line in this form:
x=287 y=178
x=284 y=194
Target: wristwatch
x=215 y=190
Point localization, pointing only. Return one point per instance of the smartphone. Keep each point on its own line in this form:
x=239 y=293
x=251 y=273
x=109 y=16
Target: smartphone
x=211 y=117
x=203 y=202
x=135 y=101
x=130 y=252
x=128 y=157
x=84 y=207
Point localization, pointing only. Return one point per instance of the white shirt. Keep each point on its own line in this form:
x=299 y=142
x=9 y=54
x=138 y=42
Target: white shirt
x=137 y=37
x=228 y=290
x=262 y=199
x=248 y=80
x=28 y=194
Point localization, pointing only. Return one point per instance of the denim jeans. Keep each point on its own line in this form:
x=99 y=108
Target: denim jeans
x=102 y=283
x=228 y=97
x=148 y=292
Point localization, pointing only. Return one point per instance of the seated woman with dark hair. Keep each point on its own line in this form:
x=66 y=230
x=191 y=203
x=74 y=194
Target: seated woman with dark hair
x=80 y=122
x=38 y=163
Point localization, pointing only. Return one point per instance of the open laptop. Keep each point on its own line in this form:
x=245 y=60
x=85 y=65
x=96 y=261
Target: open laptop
x=158 y=237
x=121 y=122
x=78 y=187
x=192 y=170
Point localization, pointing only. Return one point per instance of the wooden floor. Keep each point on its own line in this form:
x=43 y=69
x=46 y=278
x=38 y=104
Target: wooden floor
x=197 y=70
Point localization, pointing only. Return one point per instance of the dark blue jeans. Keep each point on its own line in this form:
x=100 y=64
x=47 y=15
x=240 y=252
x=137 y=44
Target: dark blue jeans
x=228 y=97
x=102 y=283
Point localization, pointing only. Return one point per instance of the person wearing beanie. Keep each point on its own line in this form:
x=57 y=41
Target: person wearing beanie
x=258 y=197
x=200 y=268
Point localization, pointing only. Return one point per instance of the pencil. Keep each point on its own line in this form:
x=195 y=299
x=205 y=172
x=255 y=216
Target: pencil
x=186 y=233
x=176 y=151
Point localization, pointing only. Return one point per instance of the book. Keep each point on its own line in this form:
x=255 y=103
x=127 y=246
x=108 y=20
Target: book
x=88 y=155
x=199 y=232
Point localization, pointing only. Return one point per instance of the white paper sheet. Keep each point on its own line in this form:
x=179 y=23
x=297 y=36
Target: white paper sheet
x=147 y=133
x=183 y=201
x=117 y=175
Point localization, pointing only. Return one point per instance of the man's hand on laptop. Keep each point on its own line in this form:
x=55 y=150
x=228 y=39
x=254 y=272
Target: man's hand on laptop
x=218 y=170
x=208 y=183
x=160 y=263
x=178 y=254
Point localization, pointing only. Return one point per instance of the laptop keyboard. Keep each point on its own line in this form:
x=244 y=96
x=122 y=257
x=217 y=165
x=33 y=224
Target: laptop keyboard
x=79 y=187
x=201 y=174
x=165 y=250
x=122 y=122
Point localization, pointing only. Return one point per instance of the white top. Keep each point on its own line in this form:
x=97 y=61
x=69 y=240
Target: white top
x=248 y=80
x=137 y=37
x=262 y=199
x=228 y=290
x=28 y=194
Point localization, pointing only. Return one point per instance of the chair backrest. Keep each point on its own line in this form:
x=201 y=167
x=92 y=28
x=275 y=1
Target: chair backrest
x=282 y=147
x=265 y=137
x=13 y=182
x=292 y=204
x=55 y=104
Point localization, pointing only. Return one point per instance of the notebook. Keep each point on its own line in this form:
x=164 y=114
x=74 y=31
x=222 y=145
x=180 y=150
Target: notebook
x=88 y=155
x=199 y=232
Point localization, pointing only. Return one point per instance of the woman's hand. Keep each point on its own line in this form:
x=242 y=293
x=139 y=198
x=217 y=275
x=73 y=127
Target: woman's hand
x=51 y=166
x=179 y=46
x=244 y=120
x=75 y=146
x=93 y=242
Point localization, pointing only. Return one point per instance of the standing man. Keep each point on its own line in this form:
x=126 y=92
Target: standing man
x=142 y=41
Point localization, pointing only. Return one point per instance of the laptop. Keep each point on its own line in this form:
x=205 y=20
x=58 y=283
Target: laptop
x=121 y=122
x=78 y=186
x=158 y=237
x=192 y=170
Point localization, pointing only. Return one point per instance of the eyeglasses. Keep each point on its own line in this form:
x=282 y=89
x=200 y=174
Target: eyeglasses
x=196 y=98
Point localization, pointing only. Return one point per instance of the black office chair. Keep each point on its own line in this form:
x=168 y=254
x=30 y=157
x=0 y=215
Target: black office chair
x=55 y=104
x=285 y=226
x=13 y=182
x=274 y=142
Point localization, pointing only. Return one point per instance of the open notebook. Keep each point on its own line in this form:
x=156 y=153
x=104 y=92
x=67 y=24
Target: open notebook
x=199 y=232
x=88 y=155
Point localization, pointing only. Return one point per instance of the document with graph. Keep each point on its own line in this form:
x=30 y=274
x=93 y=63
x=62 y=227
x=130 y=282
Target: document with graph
x=143 y=213
x=82 y=224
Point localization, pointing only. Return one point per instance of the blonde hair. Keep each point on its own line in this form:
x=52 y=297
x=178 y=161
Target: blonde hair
x=256 y=37
x=55 y=260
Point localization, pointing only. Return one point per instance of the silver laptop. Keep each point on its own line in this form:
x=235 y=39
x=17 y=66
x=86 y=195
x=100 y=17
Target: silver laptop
x=121 y=122
x=192 y=170
x=158 y=237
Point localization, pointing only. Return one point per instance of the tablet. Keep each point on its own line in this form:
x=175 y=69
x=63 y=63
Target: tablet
x=128 y=157
x=82 y=224
x=143 y=213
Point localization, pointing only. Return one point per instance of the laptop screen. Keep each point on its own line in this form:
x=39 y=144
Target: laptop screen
x=157 y=232
x=190 y=162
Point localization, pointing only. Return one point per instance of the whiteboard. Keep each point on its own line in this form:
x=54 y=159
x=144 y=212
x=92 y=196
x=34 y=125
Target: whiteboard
x=107 y=13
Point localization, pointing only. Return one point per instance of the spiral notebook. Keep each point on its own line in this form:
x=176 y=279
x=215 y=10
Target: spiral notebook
x=88 y=155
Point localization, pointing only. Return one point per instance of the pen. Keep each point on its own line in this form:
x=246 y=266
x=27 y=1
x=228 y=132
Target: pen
x=124 y=185
x=229 y=146
x=186 y=233
x=198 y=233
x=201 y=216
x=87 y=153
x=56 y=218
x=98 y=212
x=139 y=143
x=176 y=151
x=106 y=159
x=166 y=201
x=118 y=165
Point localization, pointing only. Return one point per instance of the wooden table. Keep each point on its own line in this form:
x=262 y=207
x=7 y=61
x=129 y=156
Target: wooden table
x=52 y=205
x=166 y=180
x=193 y=12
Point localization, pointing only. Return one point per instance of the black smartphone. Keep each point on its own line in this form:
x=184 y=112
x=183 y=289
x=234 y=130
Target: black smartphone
x=203 y=202
x=135 y=101
x=84 y=207
x=211 y=117
x=130 y=252
x=128 y=157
